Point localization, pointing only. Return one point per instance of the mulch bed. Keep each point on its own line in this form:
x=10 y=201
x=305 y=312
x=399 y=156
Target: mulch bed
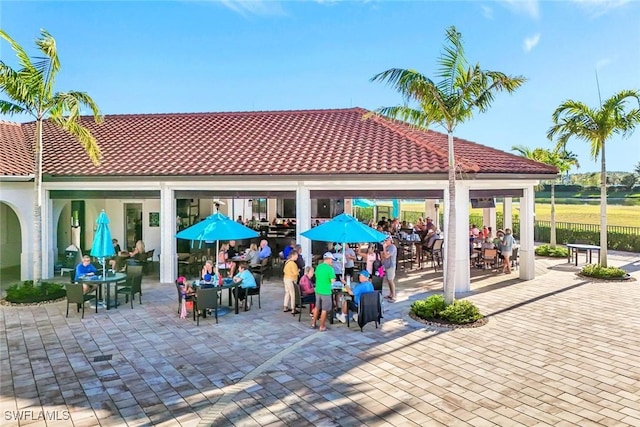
x=29 y=304
x=625 y=279
x=439 y=323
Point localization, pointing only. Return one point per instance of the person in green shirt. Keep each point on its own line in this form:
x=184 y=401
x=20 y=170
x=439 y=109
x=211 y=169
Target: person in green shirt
x=325 y=276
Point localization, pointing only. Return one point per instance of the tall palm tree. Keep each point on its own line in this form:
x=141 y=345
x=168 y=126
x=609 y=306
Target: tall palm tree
x=596 y=126
x=30 y=90
x=563 y=161
x=461 y=89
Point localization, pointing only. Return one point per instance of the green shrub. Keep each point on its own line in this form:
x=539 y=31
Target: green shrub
x=461 y=311
x=429 y=308
x=26 y=293
x=596 y=270
x=434 y=308
x=557 y=252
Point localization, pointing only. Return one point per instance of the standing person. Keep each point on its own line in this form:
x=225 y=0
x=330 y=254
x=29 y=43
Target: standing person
x=324 y=278
x=371 y=256
x=290 y=273
x=349 y=260
x=389 y=255
x=506 y=249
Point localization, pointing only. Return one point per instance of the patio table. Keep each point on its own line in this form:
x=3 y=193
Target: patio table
x=101 y=280
x=575 y=248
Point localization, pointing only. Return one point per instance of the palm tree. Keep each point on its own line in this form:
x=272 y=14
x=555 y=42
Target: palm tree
x=563 y=161
x=460 y=91
x=596 y=126
x=30 y=90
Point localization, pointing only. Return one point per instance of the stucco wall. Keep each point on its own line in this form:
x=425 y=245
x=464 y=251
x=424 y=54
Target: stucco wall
x=10 y=237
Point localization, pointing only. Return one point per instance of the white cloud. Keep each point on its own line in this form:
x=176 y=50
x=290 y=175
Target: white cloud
x=527 y=7
x=597 y=8
x=531 y=42
x=254 y=7
x=487 y=12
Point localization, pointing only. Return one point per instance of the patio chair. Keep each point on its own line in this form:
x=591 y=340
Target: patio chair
x=132 y=285
x=301 y=300
x=205 y=299
x=515 y=262
x=369 y=309
x=75 y=295
x=255 y=291
x=489 y=255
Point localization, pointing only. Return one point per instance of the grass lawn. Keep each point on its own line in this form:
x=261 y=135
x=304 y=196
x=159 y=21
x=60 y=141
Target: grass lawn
x=584 y=214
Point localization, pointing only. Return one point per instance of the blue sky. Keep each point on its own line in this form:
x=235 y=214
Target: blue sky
x=188 y=56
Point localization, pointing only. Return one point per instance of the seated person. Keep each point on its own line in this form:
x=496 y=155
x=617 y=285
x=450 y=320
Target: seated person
x=363 y=285
x=253 y=255
x=246 y=280
x=308 y=288
x=86 y=269
x=185 y=287
x=231 y=252
x=210 y=280
x=223 y=257
x=264 y=251
x=207 y=268
x=487 y=244
x=138 y=251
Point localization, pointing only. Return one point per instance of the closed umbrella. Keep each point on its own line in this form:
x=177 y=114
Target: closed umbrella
x=346 y=229
x=102 y=246
x=217 y=227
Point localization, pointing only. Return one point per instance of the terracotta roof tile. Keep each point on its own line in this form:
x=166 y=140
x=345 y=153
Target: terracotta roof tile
x=308 y=142
x=16 y=155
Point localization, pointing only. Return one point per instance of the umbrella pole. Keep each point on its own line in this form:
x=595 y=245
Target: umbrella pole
x=344 y=261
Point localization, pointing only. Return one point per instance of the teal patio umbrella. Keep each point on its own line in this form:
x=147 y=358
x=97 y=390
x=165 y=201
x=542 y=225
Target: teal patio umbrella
x=346 y=229
x=102 y=247
x=217 y=227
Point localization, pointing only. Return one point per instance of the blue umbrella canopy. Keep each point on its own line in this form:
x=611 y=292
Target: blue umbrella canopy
x=346 y=229
x=363 y=203
x=102 y=246
x=217 y=227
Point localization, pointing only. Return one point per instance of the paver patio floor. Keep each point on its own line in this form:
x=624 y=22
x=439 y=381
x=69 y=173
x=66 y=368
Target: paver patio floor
x=558 y=350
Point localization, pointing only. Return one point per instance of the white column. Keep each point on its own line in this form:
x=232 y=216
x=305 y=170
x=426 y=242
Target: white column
x=168 y=250
x=507 y=213
x=430 y=209
x=303 y=220
x=443 y=227
x=272 y=209
x=489 y=218
x=527 y=254
x=463 y=273
x=47 y=234
x=348 y=206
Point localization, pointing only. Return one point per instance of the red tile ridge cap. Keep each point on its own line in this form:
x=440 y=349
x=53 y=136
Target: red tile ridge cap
x=238 y=113
x=407 y=130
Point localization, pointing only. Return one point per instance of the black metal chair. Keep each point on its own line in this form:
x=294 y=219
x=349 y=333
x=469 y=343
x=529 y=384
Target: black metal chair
x=204 y=300
x=255 y=291
x=369 y=309
x=132 y=285
x=76 y=295
x=301 y=300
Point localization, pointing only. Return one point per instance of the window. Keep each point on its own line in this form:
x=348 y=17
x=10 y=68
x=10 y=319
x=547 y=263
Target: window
x=259 y=208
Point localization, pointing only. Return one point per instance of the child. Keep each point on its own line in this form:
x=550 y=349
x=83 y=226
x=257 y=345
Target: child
x=185 y=287
x=487 y=244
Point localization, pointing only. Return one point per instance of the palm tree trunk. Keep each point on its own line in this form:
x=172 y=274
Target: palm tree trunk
x=552 y=240
x=603 y=209
x=450 y=257
x=37 y=211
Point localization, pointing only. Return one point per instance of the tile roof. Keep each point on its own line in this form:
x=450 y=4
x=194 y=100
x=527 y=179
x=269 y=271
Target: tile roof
x=279 y=143
x=16 y=155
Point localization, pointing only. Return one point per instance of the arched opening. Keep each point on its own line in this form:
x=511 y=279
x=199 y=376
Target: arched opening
x=10 y=245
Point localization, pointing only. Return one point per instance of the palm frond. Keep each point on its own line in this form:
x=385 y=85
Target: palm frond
x=10 y=108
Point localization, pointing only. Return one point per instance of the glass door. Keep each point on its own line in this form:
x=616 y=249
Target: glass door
x=133 y=224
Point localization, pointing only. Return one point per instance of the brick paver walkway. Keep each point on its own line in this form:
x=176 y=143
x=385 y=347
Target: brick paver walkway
x=557 y=351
